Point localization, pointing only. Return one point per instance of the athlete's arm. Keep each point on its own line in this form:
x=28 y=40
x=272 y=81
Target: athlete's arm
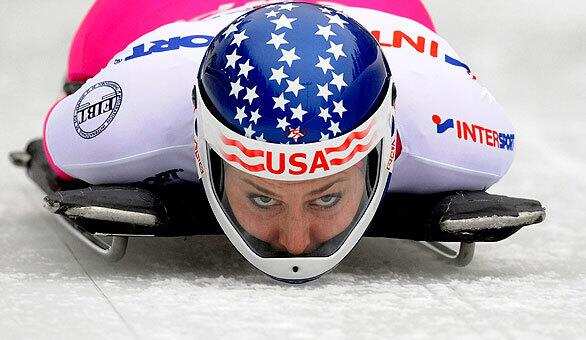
x=454 y=134
x=134 y=119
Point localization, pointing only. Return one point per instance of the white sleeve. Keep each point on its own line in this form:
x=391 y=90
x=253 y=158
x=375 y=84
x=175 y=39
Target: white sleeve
x=134 y=119
x=454 y=134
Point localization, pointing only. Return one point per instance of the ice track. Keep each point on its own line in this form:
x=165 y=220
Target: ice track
x=533 y=285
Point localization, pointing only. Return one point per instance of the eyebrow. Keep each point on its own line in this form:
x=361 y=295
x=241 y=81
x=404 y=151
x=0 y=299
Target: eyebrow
x=261 y=189
x=325 y=187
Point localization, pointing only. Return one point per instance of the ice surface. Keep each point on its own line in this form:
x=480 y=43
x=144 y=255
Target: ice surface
x=530 y=54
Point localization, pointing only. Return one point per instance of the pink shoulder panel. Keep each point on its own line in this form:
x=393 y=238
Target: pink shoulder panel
x=110 y=25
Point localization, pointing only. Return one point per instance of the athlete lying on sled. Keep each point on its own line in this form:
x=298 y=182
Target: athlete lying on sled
x=301 y=128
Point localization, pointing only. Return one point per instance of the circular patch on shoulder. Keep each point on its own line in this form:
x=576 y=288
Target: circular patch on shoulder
x=96 y=108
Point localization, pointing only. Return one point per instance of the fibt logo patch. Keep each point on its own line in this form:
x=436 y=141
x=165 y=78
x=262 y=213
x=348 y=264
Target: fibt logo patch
x=475 y=133
x=96 y=108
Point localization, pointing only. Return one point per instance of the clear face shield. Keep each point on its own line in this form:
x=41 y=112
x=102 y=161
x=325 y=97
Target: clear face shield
x=295 y=211
x=305 y=218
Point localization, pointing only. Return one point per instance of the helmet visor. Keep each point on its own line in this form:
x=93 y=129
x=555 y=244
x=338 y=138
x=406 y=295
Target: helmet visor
x=310 y=217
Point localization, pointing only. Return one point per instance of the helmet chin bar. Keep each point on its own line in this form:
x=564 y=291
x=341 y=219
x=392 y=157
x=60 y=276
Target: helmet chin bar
x=298 y=269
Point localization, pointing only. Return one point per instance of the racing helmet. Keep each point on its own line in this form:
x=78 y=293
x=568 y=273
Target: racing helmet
x=295 y=135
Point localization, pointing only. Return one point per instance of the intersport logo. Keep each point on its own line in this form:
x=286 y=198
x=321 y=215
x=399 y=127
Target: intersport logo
x=475 y=133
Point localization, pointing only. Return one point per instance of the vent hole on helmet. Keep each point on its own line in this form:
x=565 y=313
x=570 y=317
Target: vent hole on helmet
x=295 y=269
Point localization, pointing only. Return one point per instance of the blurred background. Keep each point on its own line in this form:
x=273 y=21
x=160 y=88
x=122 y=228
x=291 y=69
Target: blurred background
x=530 y=54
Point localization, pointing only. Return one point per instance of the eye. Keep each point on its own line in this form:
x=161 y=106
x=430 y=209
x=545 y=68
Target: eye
x=263 y=201
x=327 y=201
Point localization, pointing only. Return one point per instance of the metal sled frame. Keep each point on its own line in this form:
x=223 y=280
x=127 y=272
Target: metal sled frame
x=460 y=258
x=111 y=252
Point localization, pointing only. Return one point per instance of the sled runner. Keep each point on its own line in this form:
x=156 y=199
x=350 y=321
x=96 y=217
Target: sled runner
x=121 y=211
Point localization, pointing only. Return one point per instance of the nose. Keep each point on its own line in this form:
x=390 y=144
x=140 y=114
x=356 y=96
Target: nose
x=294 y=234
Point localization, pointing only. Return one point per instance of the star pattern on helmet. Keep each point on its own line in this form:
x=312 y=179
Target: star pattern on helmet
x=294 y=86
x=324 y=64
x=278 y=74
x=271 y=14
x=250 y=95
x=324 y=113
x=254 y=116
x=232 y=28
x=336 y=20
x=249 y=132
x=283 y=22
x=325 y=31
x=240 y=114
x=238 y=38
x=289 y=56
x=298 y=113
x=280 y=102
x=339 y=107
x=287 y=7
x=291 y=87
x=334 y=127
x=324 y=91
x=282 y=123
x=336 y=50
x=245 y=68
x=338 y=80
x=296 y=133
x=236 y=88
x=232 y=59
x=277 y=40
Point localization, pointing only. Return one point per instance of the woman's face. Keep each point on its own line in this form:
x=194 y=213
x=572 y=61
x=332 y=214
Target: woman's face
x=295 y=216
